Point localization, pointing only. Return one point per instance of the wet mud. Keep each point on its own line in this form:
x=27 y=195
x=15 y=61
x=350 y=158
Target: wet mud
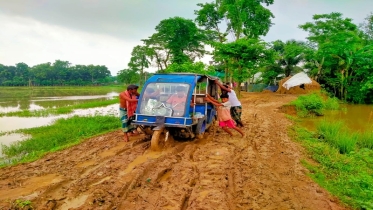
x=260 y=171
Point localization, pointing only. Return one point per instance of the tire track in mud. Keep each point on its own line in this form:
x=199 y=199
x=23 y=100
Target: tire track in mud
x=260 y=171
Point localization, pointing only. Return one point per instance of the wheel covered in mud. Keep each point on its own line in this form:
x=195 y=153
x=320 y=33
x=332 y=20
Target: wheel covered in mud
x=154 y=143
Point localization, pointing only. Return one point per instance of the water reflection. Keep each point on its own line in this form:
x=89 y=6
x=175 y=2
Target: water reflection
x=37 y=103
x=10 y=138
x=6 y=107
x=15 y=123
x=34 y=107
x=355 y=117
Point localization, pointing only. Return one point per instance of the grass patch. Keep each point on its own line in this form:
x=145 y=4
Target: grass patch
x=344 y=164
x=61 y=110
x=331 y=104
x=337 y=135
x=314 y=104
x=63 y=133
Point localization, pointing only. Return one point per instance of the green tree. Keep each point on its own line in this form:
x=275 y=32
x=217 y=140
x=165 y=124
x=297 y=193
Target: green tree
x=40 y=73
x=180 y=38
x=244 y=56
x=247 y=18
x=140 y=60
x=98 y=73
x=210 y=18
x=327 y=25
x=158 y=52
x=270 y=73
x=22 y=73
x=198 y=68
x=243 y=18
x=2 y=74
x=60 y=72
x=128 y=76
x=344 y=54
x=289 y=55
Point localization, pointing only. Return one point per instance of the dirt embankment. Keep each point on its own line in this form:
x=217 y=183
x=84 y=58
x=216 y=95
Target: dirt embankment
x=260 y=171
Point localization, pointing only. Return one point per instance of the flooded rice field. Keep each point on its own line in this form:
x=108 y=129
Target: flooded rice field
x=10 y=124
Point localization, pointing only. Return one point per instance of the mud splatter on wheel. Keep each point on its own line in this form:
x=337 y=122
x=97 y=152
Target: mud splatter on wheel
x=154 y=144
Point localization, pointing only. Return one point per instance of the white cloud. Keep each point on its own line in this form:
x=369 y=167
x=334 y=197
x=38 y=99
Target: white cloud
x=33 y=42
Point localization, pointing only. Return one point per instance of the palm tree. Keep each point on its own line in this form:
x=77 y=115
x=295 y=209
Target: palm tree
x=290 y=55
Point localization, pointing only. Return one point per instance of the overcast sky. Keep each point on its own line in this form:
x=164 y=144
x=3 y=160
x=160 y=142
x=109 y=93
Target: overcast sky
x=104 y=32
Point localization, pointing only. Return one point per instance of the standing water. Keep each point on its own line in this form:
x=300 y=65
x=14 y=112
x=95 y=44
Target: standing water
x=355 y=117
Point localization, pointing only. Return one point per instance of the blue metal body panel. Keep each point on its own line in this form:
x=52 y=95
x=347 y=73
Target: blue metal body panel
x=180 y=121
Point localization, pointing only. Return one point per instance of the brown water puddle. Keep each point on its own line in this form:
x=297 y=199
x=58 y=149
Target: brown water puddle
x=113 y=151
x=355 y=117
x=141 y=159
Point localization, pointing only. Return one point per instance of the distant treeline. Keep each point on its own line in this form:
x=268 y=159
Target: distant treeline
x=58 y=73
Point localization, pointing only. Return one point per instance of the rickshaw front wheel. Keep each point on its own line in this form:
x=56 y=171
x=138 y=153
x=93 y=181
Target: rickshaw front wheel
x=154 y=143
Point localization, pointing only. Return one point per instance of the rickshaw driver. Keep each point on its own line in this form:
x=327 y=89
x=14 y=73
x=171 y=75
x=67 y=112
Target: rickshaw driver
x=177 y=101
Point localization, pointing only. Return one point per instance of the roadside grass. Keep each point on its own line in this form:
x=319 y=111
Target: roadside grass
x=337 y=135
x=366 y=140
x=314 y=104
x=344 y=161
x=62 y=134
x=61 y=110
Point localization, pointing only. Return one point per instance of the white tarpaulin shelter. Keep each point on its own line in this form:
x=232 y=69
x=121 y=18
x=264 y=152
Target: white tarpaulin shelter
x=296 y=80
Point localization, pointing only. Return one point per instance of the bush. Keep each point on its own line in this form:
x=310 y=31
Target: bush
x=312 y=104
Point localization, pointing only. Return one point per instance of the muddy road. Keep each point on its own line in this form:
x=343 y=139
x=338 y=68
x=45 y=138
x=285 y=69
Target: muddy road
x=259 y=171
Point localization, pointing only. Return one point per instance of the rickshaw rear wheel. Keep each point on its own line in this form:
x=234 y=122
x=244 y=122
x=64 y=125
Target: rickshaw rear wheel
x=201 y=128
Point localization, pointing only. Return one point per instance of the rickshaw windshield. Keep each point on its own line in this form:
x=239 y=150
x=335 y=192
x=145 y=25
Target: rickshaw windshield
x=164 y=99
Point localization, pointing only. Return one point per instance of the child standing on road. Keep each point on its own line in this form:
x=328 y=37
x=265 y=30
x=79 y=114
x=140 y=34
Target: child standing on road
x=224 y=115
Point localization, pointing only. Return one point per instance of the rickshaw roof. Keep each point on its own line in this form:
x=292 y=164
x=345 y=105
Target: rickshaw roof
x=179 y=78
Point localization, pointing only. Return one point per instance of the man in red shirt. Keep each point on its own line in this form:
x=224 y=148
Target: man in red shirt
x=127 y=108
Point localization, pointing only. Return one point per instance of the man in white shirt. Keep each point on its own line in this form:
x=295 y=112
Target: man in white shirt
x=236 y=109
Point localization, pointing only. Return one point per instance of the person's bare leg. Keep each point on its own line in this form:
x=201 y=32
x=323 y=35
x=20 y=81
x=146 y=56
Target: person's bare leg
x=239 y=130
x=226 y=129
x=126 y=138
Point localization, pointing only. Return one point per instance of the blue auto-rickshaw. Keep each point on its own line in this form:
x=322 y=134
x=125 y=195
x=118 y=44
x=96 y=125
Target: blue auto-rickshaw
x=163 y=108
